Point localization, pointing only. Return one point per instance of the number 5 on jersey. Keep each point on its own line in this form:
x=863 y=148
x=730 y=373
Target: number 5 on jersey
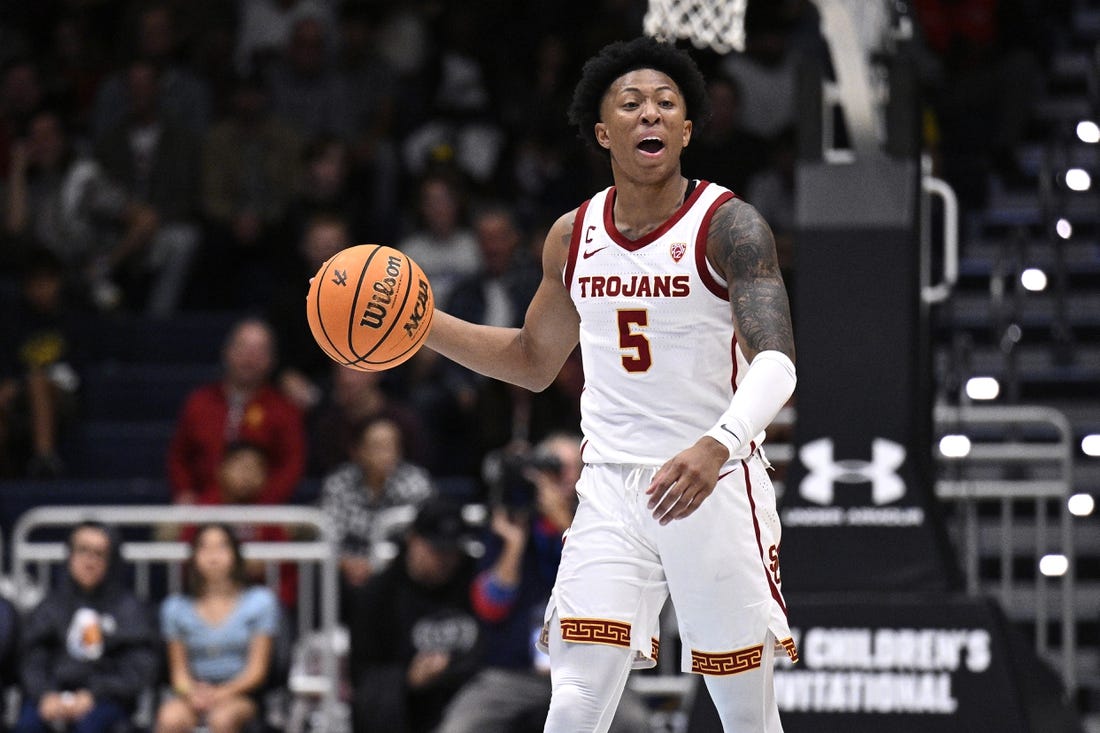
x=641 y=360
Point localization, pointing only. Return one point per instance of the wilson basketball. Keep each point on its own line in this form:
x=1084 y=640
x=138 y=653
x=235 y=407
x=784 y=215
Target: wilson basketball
x=370 y=307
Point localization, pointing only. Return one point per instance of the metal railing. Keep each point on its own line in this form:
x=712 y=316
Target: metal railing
x=1037 y=439
x=318 y=608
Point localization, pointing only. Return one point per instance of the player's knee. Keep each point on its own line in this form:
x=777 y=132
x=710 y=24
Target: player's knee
x=574 y=706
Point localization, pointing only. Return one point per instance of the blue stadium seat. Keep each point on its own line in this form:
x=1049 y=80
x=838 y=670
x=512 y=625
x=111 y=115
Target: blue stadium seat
x=185 y=338
x=116 y=391
x=104 y=449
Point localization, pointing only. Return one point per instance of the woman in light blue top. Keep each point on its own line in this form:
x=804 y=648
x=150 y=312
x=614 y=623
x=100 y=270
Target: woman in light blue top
x=219 y=635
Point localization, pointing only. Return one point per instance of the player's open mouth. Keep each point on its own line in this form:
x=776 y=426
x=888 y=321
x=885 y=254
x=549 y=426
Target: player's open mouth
x=651 y=146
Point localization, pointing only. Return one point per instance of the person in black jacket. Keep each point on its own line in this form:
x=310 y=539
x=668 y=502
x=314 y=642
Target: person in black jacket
x=415 y=640
x=89 y=648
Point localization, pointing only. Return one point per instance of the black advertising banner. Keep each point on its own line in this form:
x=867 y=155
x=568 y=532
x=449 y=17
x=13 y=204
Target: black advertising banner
x=902 y=664
x=857 y=510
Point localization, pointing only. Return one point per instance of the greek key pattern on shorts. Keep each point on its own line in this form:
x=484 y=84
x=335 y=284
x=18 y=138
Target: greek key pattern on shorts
x=726 y=663
x=788 y=646
x=596 y=631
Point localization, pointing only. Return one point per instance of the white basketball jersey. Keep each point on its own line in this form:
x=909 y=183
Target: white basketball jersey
x=656 y=332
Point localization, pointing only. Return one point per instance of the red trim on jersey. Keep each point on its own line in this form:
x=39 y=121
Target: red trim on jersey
x=701 y=251
x=756 y=528
x=574 y=245
x=635 y=244
x=733 y=361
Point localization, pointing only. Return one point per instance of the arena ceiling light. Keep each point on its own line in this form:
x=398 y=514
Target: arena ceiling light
x=955 y=446
x=1064 y=228
x=1078 y=179
x=1090 y=445
x=983 y=388
x=1053 y=566
x=1033 y=279
x=1081 y=505
x=1088 y=131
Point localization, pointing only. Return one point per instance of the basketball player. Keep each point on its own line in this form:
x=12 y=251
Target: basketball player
x=672 y=288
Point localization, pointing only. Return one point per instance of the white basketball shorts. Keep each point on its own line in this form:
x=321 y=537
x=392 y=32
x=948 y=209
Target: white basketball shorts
x=720 y=565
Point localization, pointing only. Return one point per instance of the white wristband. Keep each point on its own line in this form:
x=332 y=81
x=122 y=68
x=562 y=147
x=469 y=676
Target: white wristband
x=765 y=388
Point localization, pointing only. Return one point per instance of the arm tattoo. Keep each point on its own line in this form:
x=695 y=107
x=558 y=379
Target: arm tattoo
x=742 y=244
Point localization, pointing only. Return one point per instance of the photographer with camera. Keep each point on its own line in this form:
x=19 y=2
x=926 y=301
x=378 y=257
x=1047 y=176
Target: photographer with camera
x=534 y=498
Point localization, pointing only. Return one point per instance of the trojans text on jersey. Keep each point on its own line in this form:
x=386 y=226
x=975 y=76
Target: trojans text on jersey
x=640 y=286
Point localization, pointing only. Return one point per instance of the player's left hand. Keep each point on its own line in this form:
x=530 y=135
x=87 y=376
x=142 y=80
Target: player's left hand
x=686 y=479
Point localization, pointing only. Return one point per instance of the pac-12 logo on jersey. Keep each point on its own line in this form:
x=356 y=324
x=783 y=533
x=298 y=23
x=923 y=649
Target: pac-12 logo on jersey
x=677 y=250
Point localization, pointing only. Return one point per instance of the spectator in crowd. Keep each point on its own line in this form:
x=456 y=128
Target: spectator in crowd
x=534 y=502
x=22 y=95
x=40 y=359
x=184 y=97
x=771 y=192
x=765 y=74
x=303 y=367
x=90 y=647
x=722 y=149
x=243 y=406
x=990 y=76
x=64 y=201
x=156 y=161
x=358 y=495
x=415 y=640
x=242 y=474
x=220 y=636
x=307 y=91
x=497 y=294
x=75 y=67
x=330 y=189
x=251 y=163
x=371 y=86
x=352 y=398
x=442 y=244
x=461 y=127
x=265 y=29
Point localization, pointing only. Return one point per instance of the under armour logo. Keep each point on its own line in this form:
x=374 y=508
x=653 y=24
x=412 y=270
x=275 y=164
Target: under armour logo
x=340 y=277
x=881 y=471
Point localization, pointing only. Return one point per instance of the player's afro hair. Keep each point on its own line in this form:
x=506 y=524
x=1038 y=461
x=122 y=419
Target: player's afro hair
x=620 y=57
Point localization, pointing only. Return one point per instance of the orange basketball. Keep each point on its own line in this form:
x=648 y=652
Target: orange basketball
x=370 y=307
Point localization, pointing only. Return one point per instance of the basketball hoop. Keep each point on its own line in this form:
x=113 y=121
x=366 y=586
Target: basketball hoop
x=718 y=24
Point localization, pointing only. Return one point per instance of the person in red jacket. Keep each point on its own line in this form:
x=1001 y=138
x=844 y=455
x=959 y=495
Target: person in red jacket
x=242 y=406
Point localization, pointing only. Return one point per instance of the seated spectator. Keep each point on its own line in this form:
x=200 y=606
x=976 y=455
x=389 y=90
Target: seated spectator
x=357 y=495
x=415 y=640
x=251 y=166
x=220 y=635
x=303 y=373
x=442 y=244
x=265 y=25
x=65 y=202
x=89 y=648
x=39 y=363
x=497 y=294
x=156 y=161
x=534 y=500
x=242 y=475
x=722 y=149
x=307 y=91
x=243 y=405
x=185 y=96
x=352 y=398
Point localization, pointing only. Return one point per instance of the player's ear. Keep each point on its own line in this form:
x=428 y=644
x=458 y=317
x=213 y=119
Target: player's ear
x=601 y=135
x=687 y=132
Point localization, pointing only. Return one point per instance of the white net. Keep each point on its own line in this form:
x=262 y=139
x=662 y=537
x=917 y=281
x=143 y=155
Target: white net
x=719 y=24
